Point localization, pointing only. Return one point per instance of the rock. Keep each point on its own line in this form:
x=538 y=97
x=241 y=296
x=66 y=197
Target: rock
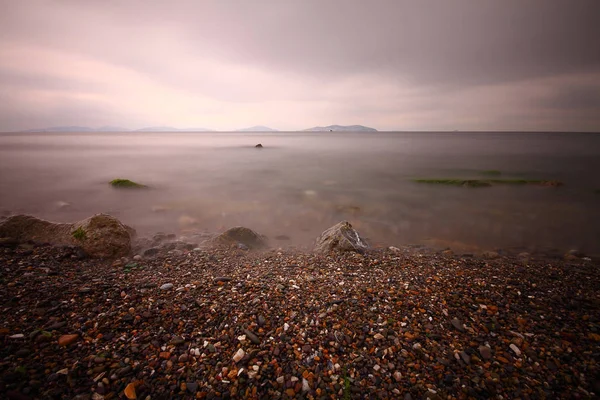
x=239 y=234
x=130 y=391
x=137 y=257
x=253 y=338
x=192 y=387
x=397 y=376
x=490 y=255
x=66 y=340
x=340 y=237
x=259 y=146
x=305 y=385
x=575 y=253
x=9 y=242
x=465 y=357
x=101 y=235
x=485 y=352
x=239 y=355
x=458 y=325
x=516 y=350
x=17 y=336
x=177 y=340
x=166 y=286
x=151 y=252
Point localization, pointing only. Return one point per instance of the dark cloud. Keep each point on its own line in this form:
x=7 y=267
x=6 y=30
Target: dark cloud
x=311 y=53
x=575 y=97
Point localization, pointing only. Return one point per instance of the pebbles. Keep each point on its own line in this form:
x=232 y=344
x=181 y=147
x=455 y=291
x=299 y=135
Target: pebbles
x=402 y=325
x=238 y=355
x=458 y=325
x=66 y=340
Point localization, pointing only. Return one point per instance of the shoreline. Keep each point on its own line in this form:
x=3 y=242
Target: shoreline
x=400 y=323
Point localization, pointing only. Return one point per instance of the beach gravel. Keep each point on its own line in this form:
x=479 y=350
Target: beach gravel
x=282 y=324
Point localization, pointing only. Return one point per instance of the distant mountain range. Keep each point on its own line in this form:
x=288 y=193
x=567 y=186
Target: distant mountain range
x=171 y=129
x=78 y=129
x=258 y=128
x=341 y=128
x=116 y=129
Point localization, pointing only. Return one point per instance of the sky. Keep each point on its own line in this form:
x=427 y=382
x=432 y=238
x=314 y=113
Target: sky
x=531 y=65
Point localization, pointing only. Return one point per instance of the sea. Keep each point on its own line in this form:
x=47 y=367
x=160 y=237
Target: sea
x=300 y=183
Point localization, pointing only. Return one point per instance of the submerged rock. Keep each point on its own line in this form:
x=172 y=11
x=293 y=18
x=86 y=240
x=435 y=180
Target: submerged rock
x=101 y=235
x=241 y=235
x=340 y=237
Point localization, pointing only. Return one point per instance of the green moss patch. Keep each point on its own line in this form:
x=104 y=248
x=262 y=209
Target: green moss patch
x=491 y=172
x=125 y=183
x=489 y=182
x=455 y=182
x=79 y=234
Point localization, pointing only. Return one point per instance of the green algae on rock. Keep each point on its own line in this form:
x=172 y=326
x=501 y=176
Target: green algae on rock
x=126 y=183
x=491 y=172
x=79 y=233
x=488 y=182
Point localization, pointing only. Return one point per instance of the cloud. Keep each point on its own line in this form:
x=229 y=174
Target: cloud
x=390 y=64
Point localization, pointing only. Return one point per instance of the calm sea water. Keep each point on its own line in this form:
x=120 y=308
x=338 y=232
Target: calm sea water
x=301 y=183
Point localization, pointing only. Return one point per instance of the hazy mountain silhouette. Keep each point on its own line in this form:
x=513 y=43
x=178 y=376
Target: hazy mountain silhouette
x=171 y=129
x=257 y=128
x=78 y=129
x=341 y=128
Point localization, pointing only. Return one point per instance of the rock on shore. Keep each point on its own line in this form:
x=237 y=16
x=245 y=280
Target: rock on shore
x=240 y=235
x=101 y=235
x=340 y=237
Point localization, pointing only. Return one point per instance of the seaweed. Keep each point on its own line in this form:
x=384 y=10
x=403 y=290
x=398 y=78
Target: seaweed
x=125 y=183
x=79 y=233
x=488 y=182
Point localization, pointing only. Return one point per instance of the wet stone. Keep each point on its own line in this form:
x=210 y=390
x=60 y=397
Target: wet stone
x=458 y=325
x=250 y=335
x=192 y=387
x=485 y=352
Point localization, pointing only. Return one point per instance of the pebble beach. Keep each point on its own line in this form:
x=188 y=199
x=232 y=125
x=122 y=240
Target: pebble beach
x=397 y=323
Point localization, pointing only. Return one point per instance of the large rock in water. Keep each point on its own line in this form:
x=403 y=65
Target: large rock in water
x=239 y=234
x=340 y=237
x=100 y=236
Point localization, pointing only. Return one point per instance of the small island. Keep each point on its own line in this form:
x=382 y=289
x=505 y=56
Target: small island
x=341 y=128
x=257 y=128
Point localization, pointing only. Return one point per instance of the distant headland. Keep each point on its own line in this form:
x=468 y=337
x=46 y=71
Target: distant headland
x=341 y=128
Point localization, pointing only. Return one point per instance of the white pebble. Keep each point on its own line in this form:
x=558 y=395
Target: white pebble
x=514 y=348
x=239 y=355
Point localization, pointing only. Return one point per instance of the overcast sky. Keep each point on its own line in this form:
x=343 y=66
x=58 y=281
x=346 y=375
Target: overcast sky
x=392 y=65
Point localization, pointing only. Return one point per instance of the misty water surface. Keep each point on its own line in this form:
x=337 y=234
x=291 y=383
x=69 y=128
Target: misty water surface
x=301 y=183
